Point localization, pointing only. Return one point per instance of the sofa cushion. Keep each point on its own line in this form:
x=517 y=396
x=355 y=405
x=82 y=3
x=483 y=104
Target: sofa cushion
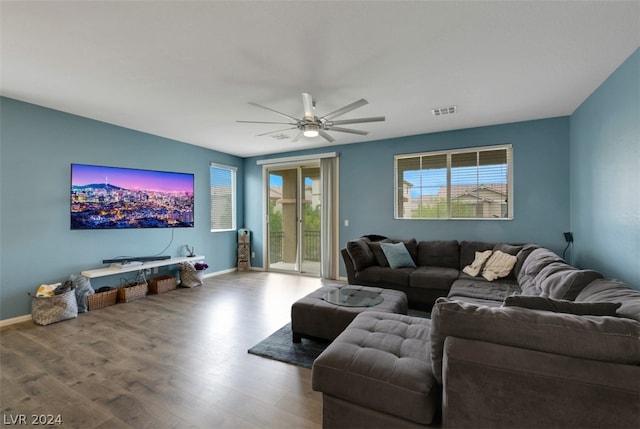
x=384 y=276
x=397 y=255
x=375 y=248
x=608 y=339
x=532 y=265
x=381 y=259
x=360 y=254
x=381 y=362
x=510 y=249
x=561 y=281
x=522 y=255
x=610 y=290
x=476 y=266
x=481 y=289
x=468 y=251
x=439 y=254
x=499 y=265
x=562 y=306
x=433 y=277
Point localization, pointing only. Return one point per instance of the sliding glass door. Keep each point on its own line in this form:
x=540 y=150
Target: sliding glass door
x=294 y=218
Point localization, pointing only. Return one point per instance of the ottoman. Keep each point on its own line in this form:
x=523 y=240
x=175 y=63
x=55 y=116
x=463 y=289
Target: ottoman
x=313 y=317
x=378 y=373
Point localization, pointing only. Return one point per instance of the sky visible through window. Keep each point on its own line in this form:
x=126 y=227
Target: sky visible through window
x=434 y=179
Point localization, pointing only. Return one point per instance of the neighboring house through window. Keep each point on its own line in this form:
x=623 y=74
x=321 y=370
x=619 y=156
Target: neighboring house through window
x=223 y=198
x=473 y=183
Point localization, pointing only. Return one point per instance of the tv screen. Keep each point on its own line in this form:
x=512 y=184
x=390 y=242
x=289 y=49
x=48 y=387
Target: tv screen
x=119 y=198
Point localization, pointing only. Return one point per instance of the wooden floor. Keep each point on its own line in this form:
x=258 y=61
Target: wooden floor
x=174 y=360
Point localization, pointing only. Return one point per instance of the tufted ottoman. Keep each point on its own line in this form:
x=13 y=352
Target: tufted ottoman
x=377 y=373
x=312 y=316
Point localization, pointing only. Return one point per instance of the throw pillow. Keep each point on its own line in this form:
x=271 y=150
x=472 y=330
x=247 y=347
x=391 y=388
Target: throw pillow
x=397 y=255
x=361 y=255
x=498 y=265
x=375 y=248
x=563 y=306
x=476 y=266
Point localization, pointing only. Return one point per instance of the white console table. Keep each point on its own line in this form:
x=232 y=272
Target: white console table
x=111 y=271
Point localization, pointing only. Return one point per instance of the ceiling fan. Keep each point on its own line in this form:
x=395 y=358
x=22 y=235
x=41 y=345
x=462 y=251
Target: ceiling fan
x=313 y=126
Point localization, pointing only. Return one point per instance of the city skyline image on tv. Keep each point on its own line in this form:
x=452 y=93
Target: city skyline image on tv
x=119 y=198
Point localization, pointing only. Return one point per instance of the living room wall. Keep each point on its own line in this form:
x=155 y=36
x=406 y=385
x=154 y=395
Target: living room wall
x=541 y=187
x=37 y=146
x=605 y=174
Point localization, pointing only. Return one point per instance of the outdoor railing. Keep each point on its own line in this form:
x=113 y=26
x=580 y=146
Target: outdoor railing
x=311 y=246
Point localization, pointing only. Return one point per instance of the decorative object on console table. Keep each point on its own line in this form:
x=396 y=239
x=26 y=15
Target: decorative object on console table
x=104 y=297
x=244 y=249
x=161 y=284
x=192 y=273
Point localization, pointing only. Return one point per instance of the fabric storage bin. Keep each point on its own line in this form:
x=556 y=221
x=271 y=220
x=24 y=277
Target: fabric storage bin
x=55 y=308
x=190 y=276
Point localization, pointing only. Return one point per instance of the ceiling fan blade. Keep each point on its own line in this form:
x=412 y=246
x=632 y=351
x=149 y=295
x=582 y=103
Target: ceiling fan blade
x=274 y=111
x=349 y=130
x=307 y=103
x=346 y=109
x=276 y=131
x=326 y=136
x=261 y=122
x=358 y=121
x=296 y=138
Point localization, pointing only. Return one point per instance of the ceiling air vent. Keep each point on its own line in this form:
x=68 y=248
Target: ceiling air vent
x=439 y=111
x=280 y=136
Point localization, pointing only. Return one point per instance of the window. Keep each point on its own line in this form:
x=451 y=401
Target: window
x=223 y=198
x=458 y=184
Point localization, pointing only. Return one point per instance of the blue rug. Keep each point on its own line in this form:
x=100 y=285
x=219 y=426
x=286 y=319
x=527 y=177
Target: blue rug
x=280 y=347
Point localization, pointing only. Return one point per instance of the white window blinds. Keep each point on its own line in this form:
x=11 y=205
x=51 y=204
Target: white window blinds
x=468 y=184
x=223 y=198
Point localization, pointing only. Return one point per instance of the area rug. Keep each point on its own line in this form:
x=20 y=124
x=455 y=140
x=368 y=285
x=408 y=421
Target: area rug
x=279 y=346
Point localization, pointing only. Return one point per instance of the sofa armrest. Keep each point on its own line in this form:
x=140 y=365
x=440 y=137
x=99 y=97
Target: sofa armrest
x=492 y=385
x=348 y=265
x=605 y=339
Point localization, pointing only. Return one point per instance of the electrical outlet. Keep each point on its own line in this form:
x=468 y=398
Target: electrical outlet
x=253 y=255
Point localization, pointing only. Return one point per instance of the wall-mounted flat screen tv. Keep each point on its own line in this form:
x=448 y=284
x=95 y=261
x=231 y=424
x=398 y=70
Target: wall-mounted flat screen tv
x=119 y=198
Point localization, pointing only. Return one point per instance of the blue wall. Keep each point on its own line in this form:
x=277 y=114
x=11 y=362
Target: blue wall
x=576 y=173
x=37 y=146
x=605 y=175
x=541 y=184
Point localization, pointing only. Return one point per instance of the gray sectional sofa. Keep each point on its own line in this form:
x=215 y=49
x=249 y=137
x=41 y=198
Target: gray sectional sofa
x=547 y=345
x=439 y=265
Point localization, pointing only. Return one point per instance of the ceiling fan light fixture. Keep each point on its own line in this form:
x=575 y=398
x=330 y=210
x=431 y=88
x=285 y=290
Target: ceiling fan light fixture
x=311 y=130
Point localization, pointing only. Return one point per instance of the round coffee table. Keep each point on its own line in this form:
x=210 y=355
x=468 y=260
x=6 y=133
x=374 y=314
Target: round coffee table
x=353 y=297
x=327 y=311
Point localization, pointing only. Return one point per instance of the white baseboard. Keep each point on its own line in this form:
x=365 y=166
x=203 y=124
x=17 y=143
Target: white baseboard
x=219 y=273
x=27 y=317
x=14 y=320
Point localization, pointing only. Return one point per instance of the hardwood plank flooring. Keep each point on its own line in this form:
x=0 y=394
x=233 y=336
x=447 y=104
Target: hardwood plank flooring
x=174 y=360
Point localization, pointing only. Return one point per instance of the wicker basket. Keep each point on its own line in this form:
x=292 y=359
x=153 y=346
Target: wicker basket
x=134 y=292
x=102 y=299
x=161 y=284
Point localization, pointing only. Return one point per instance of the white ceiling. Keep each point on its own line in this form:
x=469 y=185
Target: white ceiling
x=187 y=70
